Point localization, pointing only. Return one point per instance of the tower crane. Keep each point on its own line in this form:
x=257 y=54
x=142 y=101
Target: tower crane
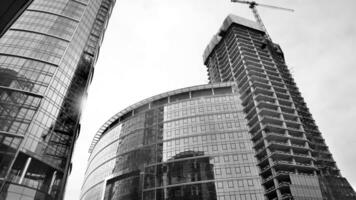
x=253 y=5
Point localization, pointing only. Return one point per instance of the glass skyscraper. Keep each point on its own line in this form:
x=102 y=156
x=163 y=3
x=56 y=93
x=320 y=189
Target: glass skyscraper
x=48 y=49
x=187 y=144
x=293 y=160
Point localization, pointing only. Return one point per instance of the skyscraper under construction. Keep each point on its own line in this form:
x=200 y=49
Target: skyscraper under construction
x=48 y=49
x=293 y=159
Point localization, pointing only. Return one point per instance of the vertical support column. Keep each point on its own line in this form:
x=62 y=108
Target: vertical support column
x=276 y=183
x=28 y=161
x=104 y=188
x=54 y=175
x=142 y=176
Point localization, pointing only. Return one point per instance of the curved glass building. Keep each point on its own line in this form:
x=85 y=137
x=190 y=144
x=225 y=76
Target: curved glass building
x=191 y=143
x=48 y=49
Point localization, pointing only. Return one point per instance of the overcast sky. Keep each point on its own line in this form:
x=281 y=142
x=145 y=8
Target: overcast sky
x=154 y=46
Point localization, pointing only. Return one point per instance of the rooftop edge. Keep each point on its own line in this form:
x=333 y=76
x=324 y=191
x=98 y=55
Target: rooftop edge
x=229 y=20
x=103 y=128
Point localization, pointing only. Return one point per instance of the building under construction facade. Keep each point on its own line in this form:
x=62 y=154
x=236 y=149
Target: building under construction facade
x=293 y=160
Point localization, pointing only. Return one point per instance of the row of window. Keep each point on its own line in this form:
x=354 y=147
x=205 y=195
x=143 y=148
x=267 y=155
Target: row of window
x=231 y=136
x=31 y=45
x=205 y=119
x=16 y=111
x=104 y=141
x=98 y=175
x=206 y=149
x=103 y=156
x=71 y=9
x=208 y=191
x=201 y=109
x=203 y=129
x=229 y=170
x=184 y=127
x=201 y=101
x=176 y=145
x=95 y=193
x=47 y=24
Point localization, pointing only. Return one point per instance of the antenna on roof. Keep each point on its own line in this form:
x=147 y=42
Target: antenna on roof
x=253 y=5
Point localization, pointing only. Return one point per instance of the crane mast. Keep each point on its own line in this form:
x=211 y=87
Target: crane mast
x=259 y=20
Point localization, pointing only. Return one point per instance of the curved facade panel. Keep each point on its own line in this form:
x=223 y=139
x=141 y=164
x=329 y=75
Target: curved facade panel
x=186 y=144
x=47 y=54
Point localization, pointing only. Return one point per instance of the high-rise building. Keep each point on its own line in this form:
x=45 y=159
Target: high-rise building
x=293 y=160
x=187 y=144
x=48 y=49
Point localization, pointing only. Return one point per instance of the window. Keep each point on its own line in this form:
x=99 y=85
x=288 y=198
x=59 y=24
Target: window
x=213 y=137
x=238 y=170
x=229 y=124
x=250 y=182
x=240 y=183
x=235 y=157
x=247 y=169
x=227 y=116
x=216 y=160
x=224 y=147
x=254 y=197
x=205 y=149
x=231 y=135
x=244 y=157
x=230 y=184
x=184 y=112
